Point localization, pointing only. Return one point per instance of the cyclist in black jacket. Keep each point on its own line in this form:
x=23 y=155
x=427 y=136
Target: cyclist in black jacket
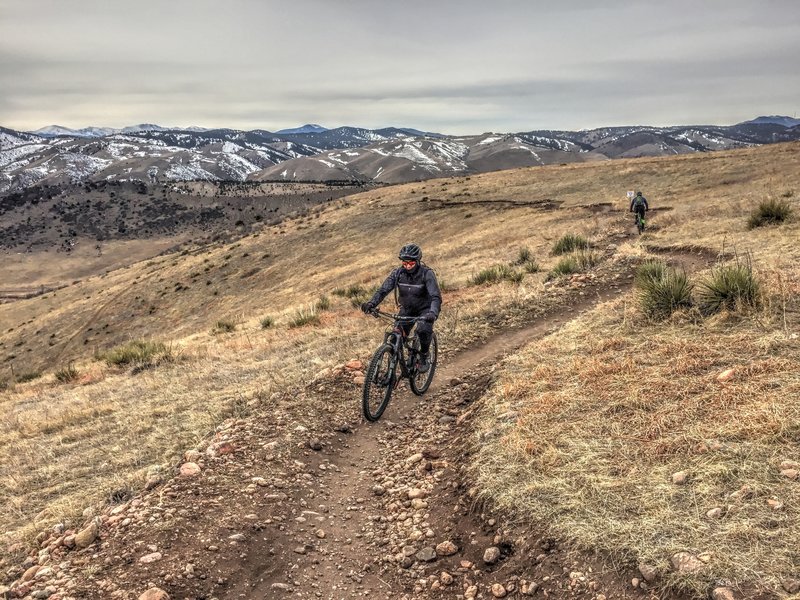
x=639 y=205
x=418 y=295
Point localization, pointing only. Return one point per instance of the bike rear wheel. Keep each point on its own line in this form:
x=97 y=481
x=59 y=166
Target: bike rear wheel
x=420 y=382
x=379 y=383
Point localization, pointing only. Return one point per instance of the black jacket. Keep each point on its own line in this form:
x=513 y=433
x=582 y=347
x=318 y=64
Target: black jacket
x=418 y=290
x=640 y=207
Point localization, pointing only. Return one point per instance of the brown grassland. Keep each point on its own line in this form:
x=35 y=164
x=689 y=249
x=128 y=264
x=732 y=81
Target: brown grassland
x=603 y=412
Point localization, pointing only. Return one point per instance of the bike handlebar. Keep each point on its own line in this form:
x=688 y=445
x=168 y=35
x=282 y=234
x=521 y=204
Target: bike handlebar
x=394 y=317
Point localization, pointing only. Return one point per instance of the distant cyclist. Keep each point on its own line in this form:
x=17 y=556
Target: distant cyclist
x=418 y=295
x=639 y=205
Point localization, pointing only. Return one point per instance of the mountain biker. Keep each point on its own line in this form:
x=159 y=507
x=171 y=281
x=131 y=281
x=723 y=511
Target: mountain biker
x=418 y=295
x=639 y=205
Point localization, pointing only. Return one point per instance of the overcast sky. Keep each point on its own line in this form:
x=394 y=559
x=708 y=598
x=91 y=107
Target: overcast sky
x=453 y=66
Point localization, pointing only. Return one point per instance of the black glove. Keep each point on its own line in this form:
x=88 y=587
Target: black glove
x=368 y=307
x=429 y=317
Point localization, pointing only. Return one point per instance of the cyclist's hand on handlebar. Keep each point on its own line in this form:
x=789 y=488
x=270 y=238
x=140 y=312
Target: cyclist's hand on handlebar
x=368 y=307
x=429 y=317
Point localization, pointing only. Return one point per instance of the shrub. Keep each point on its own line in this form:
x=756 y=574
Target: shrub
x=523 y=256
x=496 y=274
x=531 y=266
x=568 y=243
x=29 y=376
x=565 y=266
x=137 y=352
x=223 y=326
x=67 y=374
x=649 y=270
x=324 y=303
x=662 y=290
x=305 y=316
x=770 y=212
x=267 y=322
x=729 y=287
x=586 y=259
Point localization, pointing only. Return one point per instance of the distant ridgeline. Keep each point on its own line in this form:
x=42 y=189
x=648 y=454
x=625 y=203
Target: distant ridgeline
x=341 y=156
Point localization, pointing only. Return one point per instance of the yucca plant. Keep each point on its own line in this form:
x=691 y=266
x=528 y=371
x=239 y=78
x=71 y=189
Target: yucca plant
x=524 y=256
x=67 y=374
x=267 y=322
x=568 y=243
x=662 y=293
x=650 y=270
x=729 y=287
x=772 y=211
x=224 y=326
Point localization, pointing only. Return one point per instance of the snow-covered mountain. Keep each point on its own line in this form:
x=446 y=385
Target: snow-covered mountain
x=309 y=128
x=152 y=153
x=774 y=120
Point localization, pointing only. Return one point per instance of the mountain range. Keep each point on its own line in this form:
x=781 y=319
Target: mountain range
x=151 y=153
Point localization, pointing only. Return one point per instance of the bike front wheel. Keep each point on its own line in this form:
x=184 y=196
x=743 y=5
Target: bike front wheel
x=379 y=383
x=420 y=382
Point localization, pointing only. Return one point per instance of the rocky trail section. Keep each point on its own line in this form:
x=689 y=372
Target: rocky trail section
x=283 y=503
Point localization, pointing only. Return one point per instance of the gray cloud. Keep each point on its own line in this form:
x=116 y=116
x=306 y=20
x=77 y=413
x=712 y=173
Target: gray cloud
x=456 y=66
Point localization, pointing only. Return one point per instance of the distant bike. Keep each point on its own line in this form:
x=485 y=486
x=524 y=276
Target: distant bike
x=640 y=222
x=396 y=351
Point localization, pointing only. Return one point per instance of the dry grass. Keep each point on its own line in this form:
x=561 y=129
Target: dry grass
x=63 y=445
x=601 y=423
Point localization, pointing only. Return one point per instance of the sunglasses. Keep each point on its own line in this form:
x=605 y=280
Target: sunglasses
x=408 y=263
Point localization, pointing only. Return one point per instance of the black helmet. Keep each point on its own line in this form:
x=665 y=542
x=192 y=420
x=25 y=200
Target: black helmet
x=638 y=193
x=410 y=252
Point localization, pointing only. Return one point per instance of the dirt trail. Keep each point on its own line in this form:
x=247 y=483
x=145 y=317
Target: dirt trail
x=347 y=510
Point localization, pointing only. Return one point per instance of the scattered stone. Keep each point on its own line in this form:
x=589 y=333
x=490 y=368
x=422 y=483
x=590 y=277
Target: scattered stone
x=471 y=592
x=86 y=536
x=190 y=469
x=427 y=554
x=714 y=513
x=528 y=588
x=680 y=478
x=447 y=548
x=791 y=585
x=722 y=593
x=774 y=504
x=320 y=533
x=151 y=558
x=445 y=578
x=416 y=493
x=154 y=594
x=378 y=490
x=791 y=473
x=684 y=562
x=237 y=537
x=192 y=456
x=498 y=591
x=491 y=555
x=354 y=365
x=648 y=571
x=315 y=445
x=726 y=375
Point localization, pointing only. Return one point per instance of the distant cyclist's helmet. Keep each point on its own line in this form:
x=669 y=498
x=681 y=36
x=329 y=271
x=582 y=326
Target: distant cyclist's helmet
x=638 y=193
x=410 y=252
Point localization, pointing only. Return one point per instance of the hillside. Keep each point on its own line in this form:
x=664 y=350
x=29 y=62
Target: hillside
x=560 y=416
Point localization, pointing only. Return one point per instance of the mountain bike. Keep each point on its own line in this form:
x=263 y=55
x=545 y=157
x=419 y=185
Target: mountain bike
x=639 y=222
x=398 y=350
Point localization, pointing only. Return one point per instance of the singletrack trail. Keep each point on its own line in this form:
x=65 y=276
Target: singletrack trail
x=350 y=509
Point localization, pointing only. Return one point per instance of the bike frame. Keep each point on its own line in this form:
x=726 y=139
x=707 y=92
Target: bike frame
x=400 y=342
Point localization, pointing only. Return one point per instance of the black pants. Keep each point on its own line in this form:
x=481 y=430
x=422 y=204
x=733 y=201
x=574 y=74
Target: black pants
x=424 y=329
x=640 y=211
